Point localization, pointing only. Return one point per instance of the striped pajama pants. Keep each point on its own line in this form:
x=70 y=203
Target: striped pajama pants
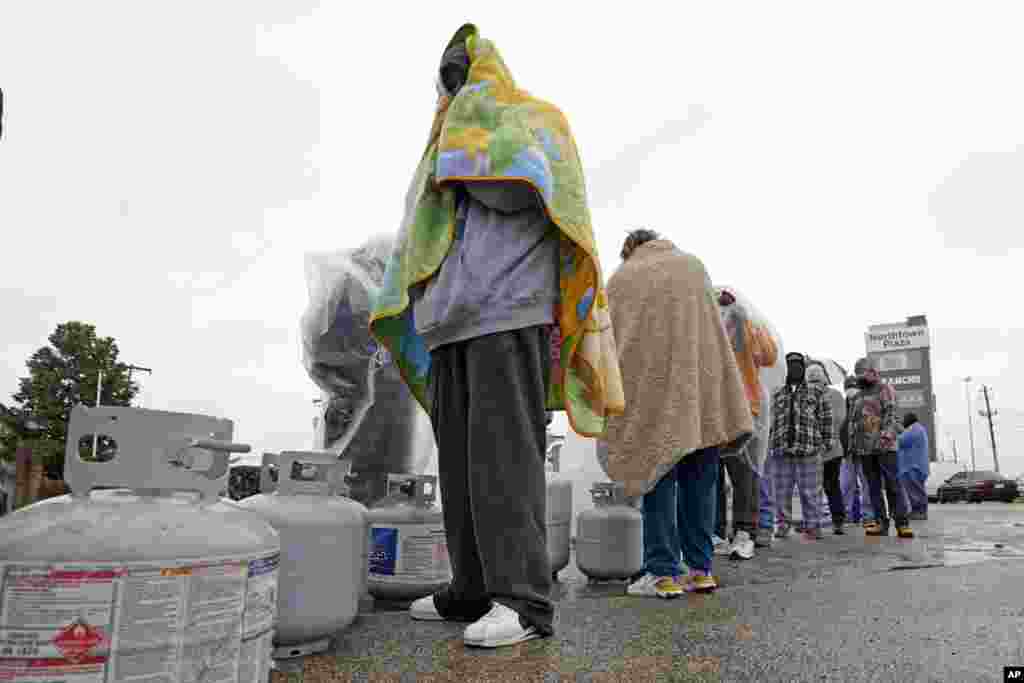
x=806 y=474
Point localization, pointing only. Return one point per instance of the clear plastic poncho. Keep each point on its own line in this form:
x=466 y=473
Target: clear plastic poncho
x=368 y=414
x=772 y=377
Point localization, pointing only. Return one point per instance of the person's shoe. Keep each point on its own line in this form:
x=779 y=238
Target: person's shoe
x=425 y=609
x=876 y=528
x=742 y=546
x=721 y=546
x=700 y=582
x=655 y=586
x=785 y=531
x=498 y=628
x=812 y=535
x=764 y=538
x=838 y=529
x=904 y=532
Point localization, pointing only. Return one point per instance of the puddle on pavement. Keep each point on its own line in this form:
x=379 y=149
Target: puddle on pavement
x=958 y=555
x=953 y=556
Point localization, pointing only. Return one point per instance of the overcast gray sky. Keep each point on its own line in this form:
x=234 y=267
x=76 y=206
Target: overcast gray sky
x=166 y=166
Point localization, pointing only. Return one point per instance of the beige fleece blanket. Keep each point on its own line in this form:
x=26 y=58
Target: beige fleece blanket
x=682 y=385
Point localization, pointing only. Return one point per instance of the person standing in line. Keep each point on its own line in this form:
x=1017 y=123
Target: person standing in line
x=754 y=349
x=665 y=447
x=856 y=500
x=832 y=459
x=873 y=434
x=913 y=465
x=802 y=431
x=494 y=266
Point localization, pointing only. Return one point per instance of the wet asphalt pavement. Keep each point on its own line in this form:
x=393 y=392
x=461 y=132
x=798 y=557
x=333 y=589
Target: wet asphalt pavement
x=944 y=606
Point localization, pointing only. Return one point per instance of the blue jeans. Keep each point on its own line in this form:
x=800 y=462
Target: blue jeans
x=679 y=515
x=914 y=484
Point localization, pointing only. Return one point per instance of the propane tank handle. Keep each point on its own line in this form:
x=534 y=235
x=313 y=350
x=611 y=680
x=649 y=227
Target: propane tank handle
x=267 y=483
x=422 y=483
x=414 y=486
x=401 y=481
x=329 y=473
x=156 y=450
x=603 y=492
x=225 y=446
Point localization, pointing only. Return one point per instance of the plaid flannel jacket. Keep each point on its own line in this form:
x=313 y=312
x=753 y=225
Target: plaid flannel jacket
x=801 y=421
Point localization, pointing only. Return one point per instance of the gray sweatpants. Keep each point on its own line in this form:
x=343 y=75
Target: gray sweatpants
x=746 y=495
x=487 y=396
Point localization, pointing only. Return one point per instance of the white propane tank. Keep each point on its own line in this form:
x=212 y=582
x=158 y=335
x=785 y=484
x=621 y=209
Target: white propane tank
x=408 y=547
x=609 y=537
x=323 y=550
x=559 y=521
x=150 y=582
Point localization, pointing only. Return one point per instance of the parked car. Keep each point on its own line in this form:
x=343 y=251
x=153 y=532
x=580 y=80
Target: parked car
x=978 y=486
x=993 y=487
x=940 y=472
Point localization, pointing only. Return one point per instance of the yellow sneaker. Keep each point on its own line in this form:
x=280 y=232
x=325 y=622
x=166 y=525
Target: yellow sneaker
x=904 y=532
x=699 y=582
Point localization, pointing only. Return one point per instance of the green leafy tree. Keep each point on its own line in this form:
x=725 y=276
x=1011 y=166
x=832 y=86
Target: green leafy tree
x=60 y=375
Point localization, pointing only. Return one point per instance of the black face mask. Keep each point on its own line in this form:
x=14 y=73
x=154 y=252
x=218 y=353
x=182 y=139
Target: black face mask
x=795 y=374
x=454 y=69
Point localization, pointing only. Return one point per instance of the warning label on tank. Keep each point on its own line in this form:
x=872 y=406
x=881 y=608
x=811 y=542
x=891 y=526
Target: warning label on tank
x=416 y=552
x=384 y=550
x=261 y=596
x=165 y=623
x=89 y=670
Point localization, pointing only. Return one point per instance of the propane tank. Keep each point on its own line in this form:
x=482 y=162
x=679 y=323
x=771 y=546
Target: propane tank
x=609 y=537
x=559 y=521
x=324 y=550
x=147 y=578
x=408 y=547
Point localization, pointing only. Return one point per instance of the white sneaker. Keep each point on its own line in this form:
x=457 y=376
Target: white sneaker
x=424 y=609
x=720 y=546
x=785 y=531
x=498 y=628
x=742 y=546
x=649 y=586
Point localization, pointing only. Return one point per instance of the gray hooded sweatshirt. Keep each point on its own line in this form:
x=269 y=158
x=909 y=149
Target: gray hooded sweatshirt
x=501 y=271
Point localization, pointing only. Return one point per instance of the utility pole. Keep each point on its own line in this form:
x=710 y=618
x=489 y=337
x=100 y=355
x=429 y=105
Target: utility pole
x=955 y=459
x=132 y=368
x=989 y=413
x=95 y=434
x=970 y=419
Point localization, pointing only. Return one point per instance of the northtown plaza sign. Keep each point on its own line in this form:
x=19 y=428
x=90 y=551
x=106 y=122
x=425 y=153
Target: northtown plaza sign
x=882 y=338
